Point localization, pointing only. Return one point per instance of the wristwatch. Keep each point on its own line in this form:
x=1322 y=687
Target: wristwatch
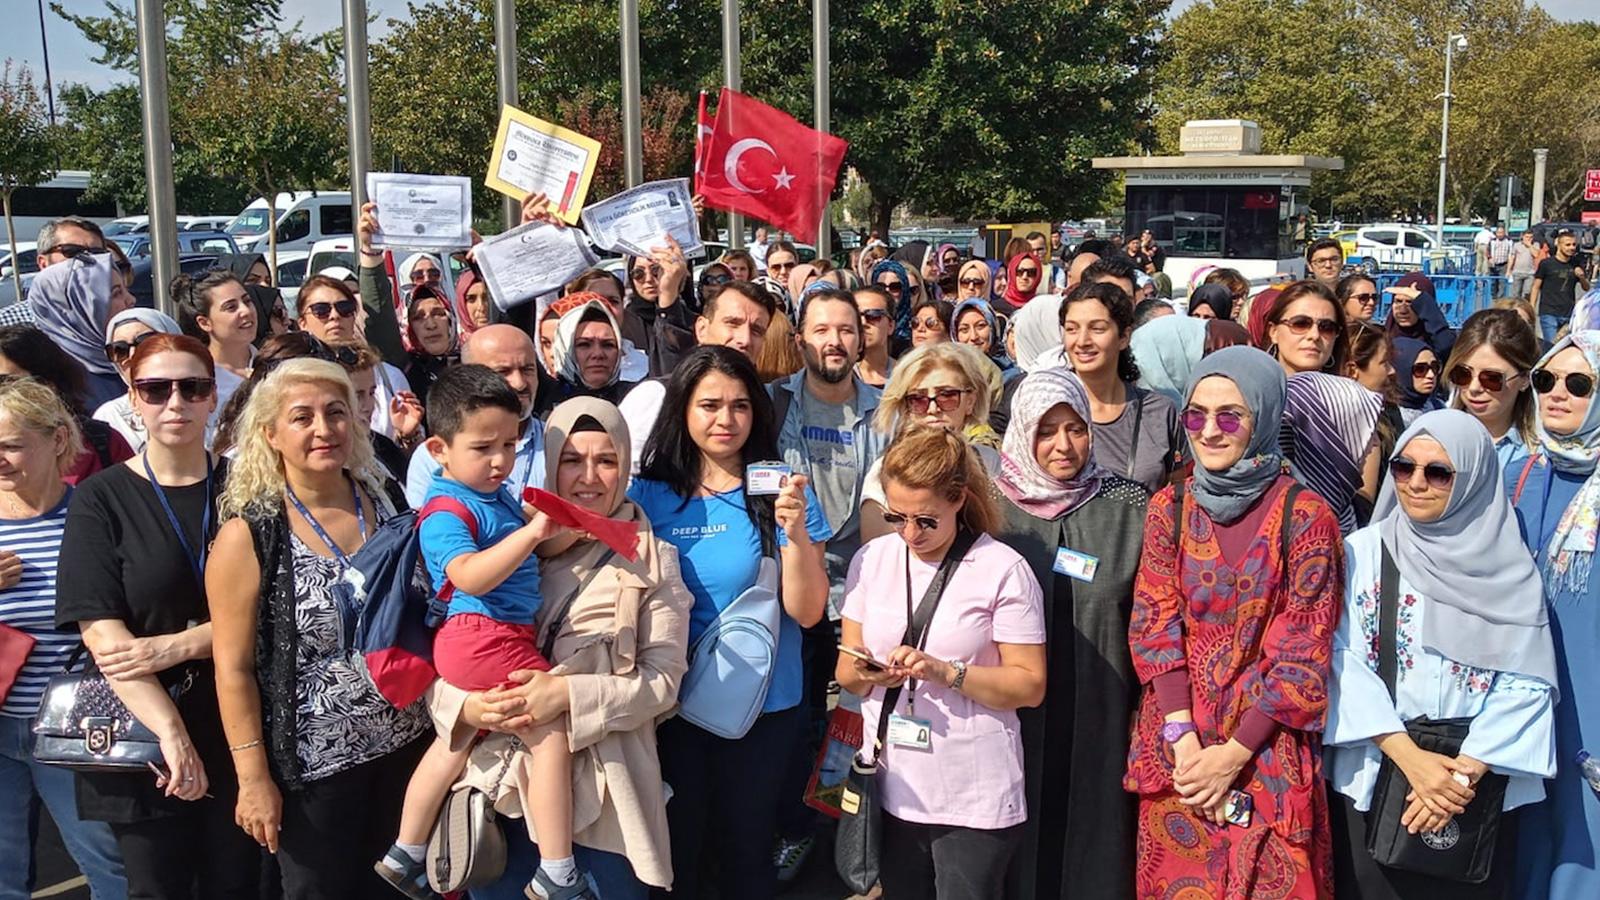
x=1173 y=732
x=961 y=675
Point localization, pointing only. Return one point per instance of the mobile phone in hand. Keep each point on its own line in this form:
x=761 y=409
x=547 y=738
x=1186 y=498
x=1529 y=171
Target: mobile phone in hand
x=871 y=664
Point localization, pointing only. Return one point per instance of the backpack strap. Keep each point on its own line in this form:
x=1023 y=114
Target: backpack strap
x=458 y=509
x=100 y=441
x=1388 y=620
x=1177 y=520
x=1522 y=480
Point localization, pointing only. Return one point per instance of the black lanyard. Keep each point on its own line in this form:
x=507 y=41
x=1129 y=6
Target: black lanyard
x=197 y=561
x=361 y=522
x=919 y=623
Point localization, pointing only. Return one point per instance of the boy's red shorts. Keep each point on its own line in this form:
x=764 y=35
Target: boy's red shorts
x=476 y=653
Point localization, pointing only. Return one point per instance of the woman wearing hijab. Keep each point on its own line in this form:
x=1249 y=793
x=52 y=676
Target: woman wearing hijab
x=72 y=302
x=1024 y=273
x=1259 y=309
x=587 y=353
x=1415 y=313
x=801 y=277
x=658 y=318
x=974 y=281
x=1557 y=496
x=1416 y=375
x=1034 y=334
x=974 y=323
x=1060 y=510
x=431 y=332
x=1329 y=422
x=472 y=303
x=892 y=277
x=1472 y=641
x=1211 y=301
x=1238 y=593
x=1166 y=351
x=124 y=333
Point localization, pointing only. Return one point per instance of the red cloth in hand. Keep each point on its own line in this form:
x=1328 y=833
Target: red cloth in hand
x=621 y=536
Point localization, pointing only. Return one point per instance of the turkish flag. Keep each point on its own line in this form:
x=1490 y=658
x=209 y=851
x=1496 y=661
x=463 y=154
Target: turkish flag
x=761 y=162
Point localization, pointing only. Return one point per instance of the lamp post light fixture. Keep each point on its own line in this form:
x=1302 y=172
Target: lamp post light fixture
x=1453 y=43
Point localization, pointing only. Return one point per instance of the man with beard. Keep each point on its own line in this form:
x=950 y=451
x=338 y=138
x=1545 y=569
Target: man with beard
x=825 y=432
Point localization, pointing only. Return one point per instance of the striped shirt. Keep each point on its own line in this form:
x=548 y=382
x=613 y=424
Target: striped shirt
x=30 y=604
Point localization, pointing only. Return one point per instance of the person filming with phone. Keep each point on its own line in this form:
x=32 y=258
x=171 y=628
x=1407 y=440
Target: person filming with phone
x=943 y=636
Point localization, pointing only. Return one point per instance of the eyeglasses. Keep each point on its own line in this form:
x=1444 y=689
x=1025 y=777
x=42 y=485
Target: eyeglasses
x=945 y=399
x=324 y=311
x=1364 y=298
x=1303 y=324
x=925 y=324
x=1489 y=379
x=119 y=351
x=1438 y=475
x=428 y=274
x=873 y=315
x=898 y=521
x=641 y=272
x=1578 y=384
x=157 y=391
x=972 y=282
x=1228 y=421
x=1326 y=261
x=1424 y=369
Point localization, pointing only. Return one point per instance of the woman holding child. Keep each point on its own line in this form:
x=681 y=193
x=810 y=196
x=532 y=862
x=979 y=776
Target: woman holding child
x=318 y=751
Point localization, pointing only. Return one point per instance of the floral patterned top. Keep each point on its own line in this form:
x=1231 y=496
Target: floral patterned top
x=1513 y=715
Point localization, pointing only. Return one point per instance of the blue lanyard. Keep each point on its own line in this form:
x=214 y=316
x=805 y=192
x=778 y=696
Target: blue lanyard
x=197 y=561
x=531 y=450
x=361 y=522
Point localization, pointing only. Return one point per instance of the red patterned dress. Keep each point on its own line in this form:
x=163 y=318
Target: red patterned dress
x=1247 y=642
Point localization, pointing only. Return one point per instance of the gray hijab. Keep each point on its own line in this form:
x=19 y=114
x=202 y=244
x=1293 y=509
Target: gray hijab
x=71 y=303
x=1487 y=604
x=1227 y=495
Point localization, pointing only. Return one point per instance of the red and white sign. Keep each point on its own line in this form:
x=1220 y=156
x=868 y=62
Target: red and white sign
x=1591 y=186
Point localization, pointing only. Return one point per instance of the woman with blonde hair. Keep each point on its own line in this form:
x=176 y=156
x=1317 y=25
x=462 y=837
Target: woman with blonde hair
x=319 y=752
x=943 y=683
x=1489 y=369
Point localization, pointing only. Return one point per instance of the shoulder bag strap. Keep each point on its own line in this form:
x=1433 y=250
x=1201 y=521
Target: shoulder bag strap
x=553 y=626
x=917 y=628
x=1285 y=527
x=1388 y=620
x=1522 y=480
x=1136 y=397
x=1177 y=520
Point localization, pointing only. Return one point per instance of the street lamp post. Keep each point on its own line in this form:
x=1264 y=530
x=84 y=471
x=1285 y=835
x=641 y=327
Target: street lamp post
x=1453 y=43
x=730 y=78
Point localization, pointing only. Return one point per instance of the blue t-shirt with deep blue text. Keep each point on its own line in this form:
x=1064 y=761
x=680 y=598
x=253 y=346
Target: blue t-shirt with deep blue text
x=719 y=551
x=445 y=537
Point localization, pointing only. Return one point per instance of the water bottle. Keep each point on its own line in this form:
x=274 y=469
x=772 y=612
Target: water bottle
x=1590 y=767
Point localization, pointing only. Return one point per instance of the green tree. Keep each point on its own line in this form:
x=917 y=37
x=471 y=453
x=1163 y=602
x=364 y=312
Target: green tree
x=27 y=147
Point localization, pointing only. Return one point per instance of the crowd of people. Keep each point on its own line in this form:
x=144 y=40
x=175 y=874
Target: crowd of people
x=1253 y=595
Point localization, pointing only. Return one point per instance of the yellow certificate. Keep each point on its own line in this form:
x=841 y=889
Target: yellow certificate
x=533 y=156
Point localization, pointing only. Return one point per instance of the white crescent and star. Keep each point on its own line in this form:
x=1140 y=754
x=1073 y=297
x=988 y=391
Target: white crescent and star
x=730 y=166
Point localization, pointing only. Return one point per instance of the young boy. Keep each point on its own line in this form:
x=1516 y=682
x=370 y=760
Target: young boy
x=489 y=632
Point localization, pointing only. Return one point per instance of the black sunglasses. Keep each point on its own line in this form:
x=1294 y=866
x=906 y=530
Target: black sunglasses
x=119 y=351
x=157 y=391
x=323 y=311
x=1422 y=369
x=898 y=521
x=972 y=282
x=873 y=315
x=73 y=251
x=1438 y=475
x=1490 y=380
x=1578 y=384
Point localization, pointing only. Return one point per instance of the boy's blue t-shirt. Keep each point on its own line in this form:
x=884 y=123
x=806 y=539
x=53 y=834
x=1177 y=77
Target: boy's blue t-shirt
x=719 y=552
x=445 y=537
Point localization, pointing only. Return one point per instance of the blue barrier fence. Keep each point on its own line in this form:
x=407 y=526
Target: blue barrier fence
x=1459 y=296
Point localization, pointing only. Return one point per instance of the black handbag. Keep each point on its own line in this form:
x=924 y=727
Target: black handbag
x=858 y=845
x=1463 y=849
x=82 y=724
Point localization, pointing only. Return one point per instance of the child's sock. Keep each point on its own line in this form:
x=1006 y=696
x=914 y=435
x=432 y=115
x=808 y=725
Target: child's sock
x=561 y=871
x=415 y=851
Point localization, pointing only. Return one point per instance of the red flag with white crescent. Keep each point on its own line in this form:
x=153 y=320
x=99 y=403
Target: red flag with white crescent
x=761 y=162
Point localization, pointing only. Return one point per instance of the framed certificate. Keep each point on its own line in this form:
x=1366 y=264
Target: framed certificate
x=429 y=212
x=532 y=156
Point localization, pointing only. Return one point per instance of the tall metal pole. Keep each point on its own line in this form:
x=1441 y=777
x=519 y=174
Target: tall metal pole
x=1444 y=136
x=824 y=109
x=152 y=28
x=49 y=86
x=632 y=141
x=357 y=98
x=1536 y=212
x=505 y=70
x=730 y=78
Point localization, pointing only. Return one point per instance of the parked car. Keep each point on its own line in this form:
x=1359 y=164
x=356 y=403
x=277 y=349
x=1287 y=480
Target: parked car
x=1405 y=248
x=291 y=274
x=143 y=287
x=303 y=219
x=27 y=260
x=137 y=246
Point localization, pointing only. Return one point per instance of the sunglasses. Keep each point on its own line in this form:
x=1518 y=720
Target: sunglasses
x=653 y=270
x=421 y=275
x=926 y=324
x=1368 y=297
x=972 y=282
x=715 y=280
x=1228 y=421
x=1438 y=475
x=873 y=315
x=945 y=399
x=780 y=267
x=73 y=251
x=891 y=285
x=1422 y=369
x=1490 y=380
x=157 y=391
x=898 y=521
x=119 y=351
x=1578 y=384
x=1303 y=324
x=1027 y=273
x=324 y=311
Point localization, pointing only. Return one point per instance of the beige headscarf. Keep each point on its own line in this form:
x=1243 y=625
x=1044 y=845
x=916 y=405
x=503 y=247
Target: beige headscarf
x=563 y=420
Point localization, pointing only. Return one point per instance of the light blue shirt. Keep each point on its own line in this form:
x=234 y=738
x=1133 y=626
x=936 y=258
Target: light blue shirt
x=1513 y=727
x=516 y=599
x=527 y=470
x=1511 y=449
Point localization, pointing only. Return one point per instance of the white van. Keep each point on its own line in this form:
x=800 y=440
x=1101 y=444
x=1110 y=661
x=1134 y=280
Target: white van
x=304 y=218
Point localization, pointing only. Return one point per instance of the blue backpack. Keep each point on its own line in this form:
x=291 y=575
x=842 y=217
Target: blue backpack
x=388 y=607
x=730 y=665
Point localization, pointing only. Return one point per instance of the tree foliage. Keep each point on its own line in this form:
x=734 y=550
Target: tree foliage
x=28 y=147
x=1361 y=80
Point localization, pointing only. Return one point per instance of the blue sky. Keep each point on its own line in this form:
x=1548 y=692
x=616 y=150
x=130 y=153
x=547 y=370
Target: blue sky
x=70 y=55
